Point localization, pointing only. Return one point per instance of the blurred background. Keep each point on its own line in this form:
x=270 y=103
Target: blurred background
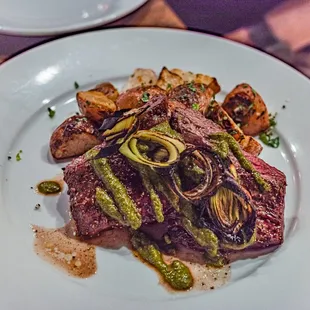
x=279 y=27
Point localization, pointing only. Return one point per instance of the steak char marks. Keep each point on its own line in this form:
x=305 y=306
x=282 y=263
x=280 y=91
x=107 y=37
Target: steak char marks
x=91 y=222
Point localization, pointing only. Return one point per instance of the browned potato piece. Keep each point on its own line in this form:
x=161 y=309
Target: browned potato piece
x=194 y=95
x=247 y=108
x=218 y=115
x=73 y=137
x=141 y=77
x=107 y=89
x=136 y=97
x=168 y=80
x=188 y=77
x=95 y=105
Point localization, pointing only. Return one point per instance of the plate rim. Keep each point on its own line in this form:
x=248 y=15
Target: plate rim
x=74 y=29
x=43 y=46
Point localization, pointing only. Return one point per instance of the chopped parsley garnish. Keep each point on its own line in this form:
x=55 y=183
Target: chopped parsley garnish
x=195 y=106
x=202 y=87
x=267 y=136
x=9 y=157
x=145 y=97
x=18 y=157
x=87 y=102
x=191 y=86
x=272 y=120
x=51 y=112
x=254 y=92
x=169 y=86
x=283 y=107
x=244 y=85
x=76 y=85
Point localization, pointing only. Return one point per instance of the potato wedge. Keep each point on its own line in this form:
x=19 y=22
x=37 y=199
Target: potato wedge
x=107 y=89
x=247 y=108
x=141 y=77
x=73 y=137
x=168 y=80
x=95 y=105
x=136 y=97
x=188 y=77
x=218 y=115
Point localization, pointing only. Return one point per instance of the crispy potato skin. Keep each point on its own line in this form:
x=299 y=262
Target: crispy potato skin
x=95 y=105
x=73 y=137
x=247 y=108
x=219 y=116
x=132 y=98
x=107 y=89
x=168 y=79
x=196 y=96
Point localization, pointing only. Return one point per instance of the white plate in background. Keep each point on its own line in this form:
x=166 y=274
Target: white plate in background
x=50 y=17
x=45 y=76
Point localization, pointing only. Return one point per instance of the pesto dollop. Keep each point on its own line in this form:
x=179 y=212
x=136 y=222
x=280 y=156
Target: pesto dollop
x=49 y=187
x=177 y=275
x=107 y=205
x=125 y=204
x=224 y=141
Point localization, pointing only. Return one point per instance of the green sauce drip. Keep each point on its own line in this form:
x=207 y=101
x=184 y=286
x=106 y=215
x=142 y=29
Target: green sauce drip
x=191 y=170
x=224 y=138
x=114 y=185
x=203 y=236
x=166 y=129
x=157 y=205
x=107 y=205
x=177 y=275
x=49 y=187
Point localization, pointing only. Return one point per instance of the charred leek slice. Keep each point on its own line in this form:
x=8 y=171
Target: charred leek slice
x=173 y=147
x=123 y=125
x=233 y=218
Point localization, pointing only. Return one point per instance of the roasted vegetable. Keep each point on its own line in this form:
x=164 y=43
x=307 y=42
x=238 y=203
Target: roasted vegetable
x=247 y=108
x=130 y=148
x=107 y=89
x=196 y=96
x=141 y=77
x=218 y=115
x=136 y=97
x=233 y=219
x=207 y=80
x=95 y=105
x=73 y=137
x=168 y=80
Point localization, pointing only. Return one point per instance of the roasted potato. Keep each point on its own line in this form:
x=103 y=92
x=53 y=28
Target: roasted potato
x=247 y=108
x=196 y=96
x=141 y=77
x=107 y=89
x=168 y=80
x=218 y=115
x=188 y=77
x=136 y=97
x=95 y=105
x=73 y=137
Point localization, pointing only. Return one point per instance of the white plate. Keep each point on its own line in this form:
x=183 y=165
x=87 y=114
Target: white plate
x=45 y=76
x=50 y=17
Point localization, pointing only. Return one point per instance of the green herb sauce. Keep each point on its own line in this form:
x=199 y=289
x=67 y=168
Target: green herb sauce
x=125 y=204
x=234 y=147
x=49 y=188
x=177 y=275
x=166 y=129
x=107 y=205
x=156 y=202
x=203 y=236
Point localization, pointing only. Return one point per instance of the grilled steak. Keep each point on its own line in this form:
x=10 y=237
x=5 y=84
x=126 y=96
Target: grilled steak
x=92 y=222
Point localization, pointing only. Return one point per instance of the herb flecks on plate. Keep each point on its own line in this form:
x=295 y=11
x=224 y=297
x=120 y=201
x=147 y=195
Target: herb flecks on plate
x=267 y=137
x=51 y=112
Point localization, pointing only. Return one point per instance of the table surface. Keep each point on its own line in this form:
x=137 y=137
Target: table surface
x=198 y=14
